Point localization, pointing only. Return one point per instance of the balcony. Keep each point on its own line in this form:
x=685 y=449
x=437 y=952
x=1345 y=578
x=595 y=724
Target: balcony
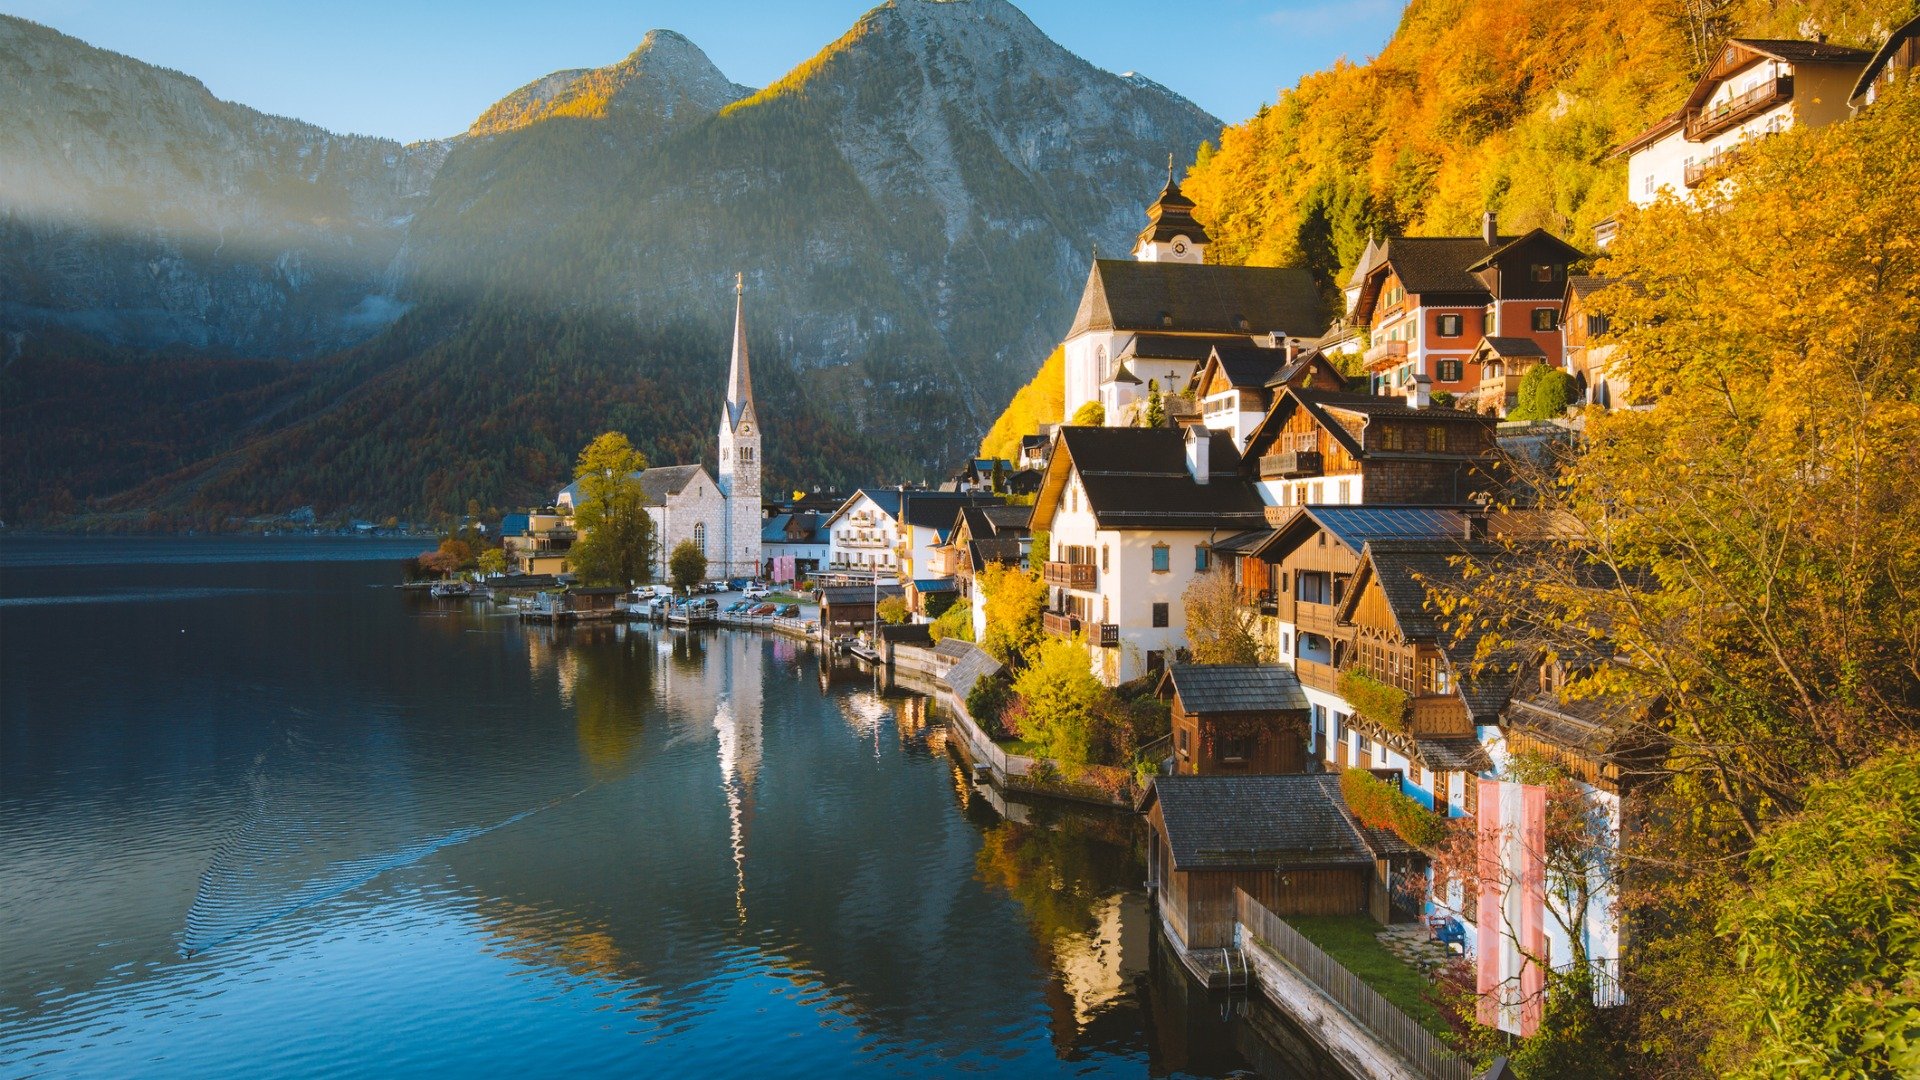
x=861 y=540
x=1697 y=171
x=1705 y=123
x=1386 y=354
x=1291 y=464
x=1436 y=716
x=1060 y=623
x=1268 y=603
x=1070 y=575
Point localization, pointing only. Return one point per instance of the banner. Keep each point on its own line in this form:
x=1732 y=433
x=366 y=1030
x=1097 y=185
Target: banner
x=1511 y=920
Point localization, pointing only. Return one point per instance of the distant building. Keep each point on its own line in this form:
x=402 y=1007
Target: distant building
x=537 y=543
x=795 y=545
x=1753 y=88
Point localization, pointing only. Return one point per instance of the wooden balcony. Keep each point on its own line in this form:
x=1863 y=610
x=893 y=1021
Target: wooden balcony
x=1439 y=716
x=1697 y=172
x=1060 y=623
x=1070 y=575
x=1386 y=354
x=1317 y=675
x=1705 y=123
x=1109 y=635
x=1291 y=464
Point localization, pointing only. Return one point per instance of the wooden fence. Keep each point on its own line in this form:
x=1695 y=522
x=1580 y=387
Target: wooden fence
x=1391 y=1026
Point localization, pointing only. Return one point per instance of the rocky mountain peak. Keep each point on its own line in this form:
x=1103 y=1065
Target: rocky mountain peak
x=666 y=78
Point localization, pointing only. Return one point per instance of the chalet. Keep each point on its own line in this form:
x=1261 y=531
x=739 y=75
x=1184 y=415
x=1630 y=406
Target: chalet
x=1129 y=513
x=1236 y=719
x=1235 y=387
x=1288 y=840
x=1597 y=379
x=893 y=531
x=1502 y=363
x=1892 y=63
x=982 y=536
x=1428 y=300
x=980 y=474
x=1317 y=447
x=1170 y=291
x=1034 y=448
x=1752 y=89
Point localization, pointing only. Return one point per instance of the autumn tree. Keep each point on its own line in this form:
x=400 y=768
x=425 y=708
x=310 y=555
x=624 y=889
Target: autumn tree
x=1219 y=629
x=1091 y=414
x=1064 y=702
x=1014 y=601
x=892 y=610
x=687 y=565
x=616 y=532
x=1746 y=560
x=492 y=562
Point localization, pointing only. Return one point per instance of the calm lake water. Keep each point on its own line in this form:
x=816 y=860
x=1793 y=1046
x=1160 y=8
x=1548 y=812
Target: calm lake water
x=261 y=815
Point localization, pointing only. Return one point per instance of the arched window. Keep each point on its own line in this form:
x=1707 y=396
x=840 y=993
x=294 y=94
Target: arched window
x=700 y=536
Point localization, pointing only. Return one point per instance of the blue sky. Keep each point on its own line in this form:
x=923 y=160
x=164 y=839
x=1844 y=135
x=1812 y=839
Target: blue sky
x=414 y=70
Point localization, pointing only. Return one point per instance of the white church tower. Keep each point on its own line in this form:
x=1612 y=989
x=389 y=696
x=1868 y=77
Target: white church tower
x=739 y=477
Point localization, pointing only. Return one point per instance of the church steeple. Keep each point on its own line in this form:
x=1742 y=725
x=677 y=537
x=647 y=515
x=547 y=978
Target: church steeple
x=739 y=378
x=1172 y=233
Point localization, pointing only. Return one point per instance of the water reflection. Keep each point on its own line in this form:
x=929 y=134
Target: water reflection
x=487 y=847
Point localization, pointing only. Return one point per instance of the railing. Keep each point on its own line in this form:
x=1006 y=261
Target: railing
x=1280 y=515
x=1604 y=974
x=1109 y=635
x=1697 y=171
x=1385 y=351
x=1439 y=717
x=1707 y=122
x=1060 y=623
x=1070 y=575
x=1289 y=464
x=1427 y=1054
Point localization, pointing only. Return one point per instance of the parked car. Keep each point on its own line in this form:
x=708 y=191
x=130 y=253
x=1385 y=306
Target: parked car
x=739 y=583
x=765 y=609
x=756 y=591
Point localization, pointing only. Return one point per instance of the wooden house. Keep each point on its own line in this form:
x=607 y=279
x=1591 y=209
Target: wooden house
x=847 y=609
x=1319 y=447
x=1236 y=719
x=1288 y=840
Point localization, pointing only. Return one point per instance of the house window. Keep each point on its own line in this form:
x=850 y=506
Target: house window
x=1156 y=661
x=1236 y=749
x=1546 y=318
x=1447 y=371
x=1160 y=614
x=1104 y=567
x=1543 y=272
x=1183 y=731
x=1162 y=558
x=1390 y=438
x=1346 y=491
x=1319 y=728
x=1200 y=558
x=1647 y=186
x=1448 y=326
x=1361 y=744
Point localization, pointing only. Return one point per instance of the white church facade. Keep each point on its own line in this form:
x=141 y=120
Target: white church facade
x=720 y=514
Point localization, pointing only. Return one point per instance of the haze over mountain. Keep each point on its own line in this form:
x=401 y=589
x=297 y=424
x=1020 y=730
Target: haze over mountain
x=912 y=209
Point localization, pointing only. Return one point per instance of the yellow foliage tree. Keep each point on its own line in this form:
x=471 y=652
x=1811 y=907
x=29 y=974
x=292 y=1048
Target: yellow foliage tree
x=1042 y=401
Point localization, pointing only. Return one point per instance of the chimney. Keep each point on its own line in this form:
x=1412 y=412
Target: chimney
x=1476 y=524
x=1420 y=392
x=1489 y=229
x=1199 y=442
x=1293 y=349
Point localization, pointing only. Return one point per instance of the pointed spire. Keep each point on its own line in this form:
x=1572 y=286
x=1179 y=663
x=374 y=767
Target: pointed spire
x=739 y=378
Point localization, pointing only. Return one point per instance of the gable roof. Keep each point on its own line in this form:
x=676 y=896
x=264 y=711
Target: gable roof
x=972 y=664
x=1739 y=53
x=1353 y=527
x=1219 y=688
x=657 y=483
x=1510 y=348
x=938 y=510
x=1300 y=371
x=981 y=552
x=1329 y=407
x=1246 y=367
x=801 y=528
x=1281 y=822
x=1403 y=569
x=1438 y=264
x=1137 y=478
x=1169 y=347
x=1883 y=55
x=858 y=595
x=1196 y=298
x=1536 y=236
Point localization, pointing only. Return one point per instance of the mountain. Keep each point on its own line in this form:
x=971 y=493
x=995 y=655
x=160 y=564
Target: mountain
x=912 y=210
x=139 y=209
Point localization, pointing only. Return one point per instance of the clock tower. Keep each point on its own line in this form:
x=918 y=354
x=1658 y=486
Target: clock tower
x=739 y=478
x=1172 y=234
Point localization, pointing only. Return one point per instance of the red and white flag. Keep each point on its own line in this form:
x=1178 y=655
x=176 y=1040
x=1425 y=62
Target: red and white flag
x=1511 y=928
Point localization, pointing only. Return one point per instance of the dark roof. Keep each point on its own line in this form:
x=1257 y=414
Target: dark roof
x=939 y=510
x=982 y=552
x=907 y=634
x=973 y=665
x=1439 y=264
x=1137 y=478
x=934 y=585
x=1171 y=215
x=952 y=647
x=1249 y=366
x=1035 y=442
x=857 y=595
x=1258 y=822
x=1354 y=526
x=1405 y=569
x=1167 y=347
x=1301 y=362
x=1122 y=294
x=1452 y=755
x=1585 y=285
x=658 y=483
x=1323 y=403
x=1242 y=543
x=1802 y=52
x=802 y=528
x=1221 y=688
x=1535 y=236
x=1511 y=347
x=1884 y=54
x=1008 y=519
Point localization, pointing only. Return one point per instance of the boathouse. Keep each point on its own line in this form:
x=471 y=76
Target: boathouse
x=848 y=608
x=1288 y=840
x=1237 y=719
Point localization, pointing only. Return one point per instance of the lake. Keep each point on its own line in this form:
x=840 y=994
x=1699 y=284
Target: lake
x=261 y=814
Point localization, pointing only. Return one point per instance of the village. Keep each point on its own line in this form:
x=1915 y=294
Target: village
x=1239 y=588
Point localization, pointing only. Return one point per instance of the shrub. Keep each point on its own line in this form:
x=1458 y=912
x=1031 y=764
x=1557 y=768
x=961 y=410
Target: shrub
x=1545 y=392
x=1092 y=414
x=1063 y=699
x=986 y=702
x=892 y=611
x=955 y=622
x=1383 y=705
x=1379 y=805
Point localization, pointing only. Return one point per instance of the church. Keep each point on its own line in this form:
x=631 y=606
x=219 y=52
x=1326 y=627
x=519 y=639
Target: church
x=719 y=514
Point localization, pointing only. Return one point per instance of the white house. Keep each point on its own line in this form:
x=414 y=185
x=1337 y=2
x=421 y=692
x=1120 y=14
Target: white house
x=1130 y=513
x=1754 y=88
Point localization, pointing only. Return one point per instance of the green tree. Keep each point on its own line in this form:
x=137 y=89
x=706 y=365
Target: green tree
x=493 y=561
x=616 y=533
x=1092 y=414
x=1064 y=702
x=1155 y=413
x=955 y=622
x=1014 y=600
x=1545 y=393
x=687 y=565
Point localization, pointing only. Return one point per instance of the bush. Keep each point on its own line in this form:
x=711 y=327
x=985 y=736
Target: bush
x=1383 y=705
x=986 y=702
x=1092 y=414
x=955 y=622
x=1545 y=392
x=892 y=611
x=1063 y=702
x=1379 y=805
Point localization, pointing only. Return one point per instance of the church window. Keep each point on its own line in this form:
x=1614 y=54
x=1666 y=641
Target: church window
x=700 y=536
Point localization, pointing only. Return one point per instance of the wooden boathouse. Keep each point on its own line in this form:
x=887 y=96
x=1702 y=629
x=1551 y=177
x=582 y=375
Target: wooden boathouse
x=1236 y=719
